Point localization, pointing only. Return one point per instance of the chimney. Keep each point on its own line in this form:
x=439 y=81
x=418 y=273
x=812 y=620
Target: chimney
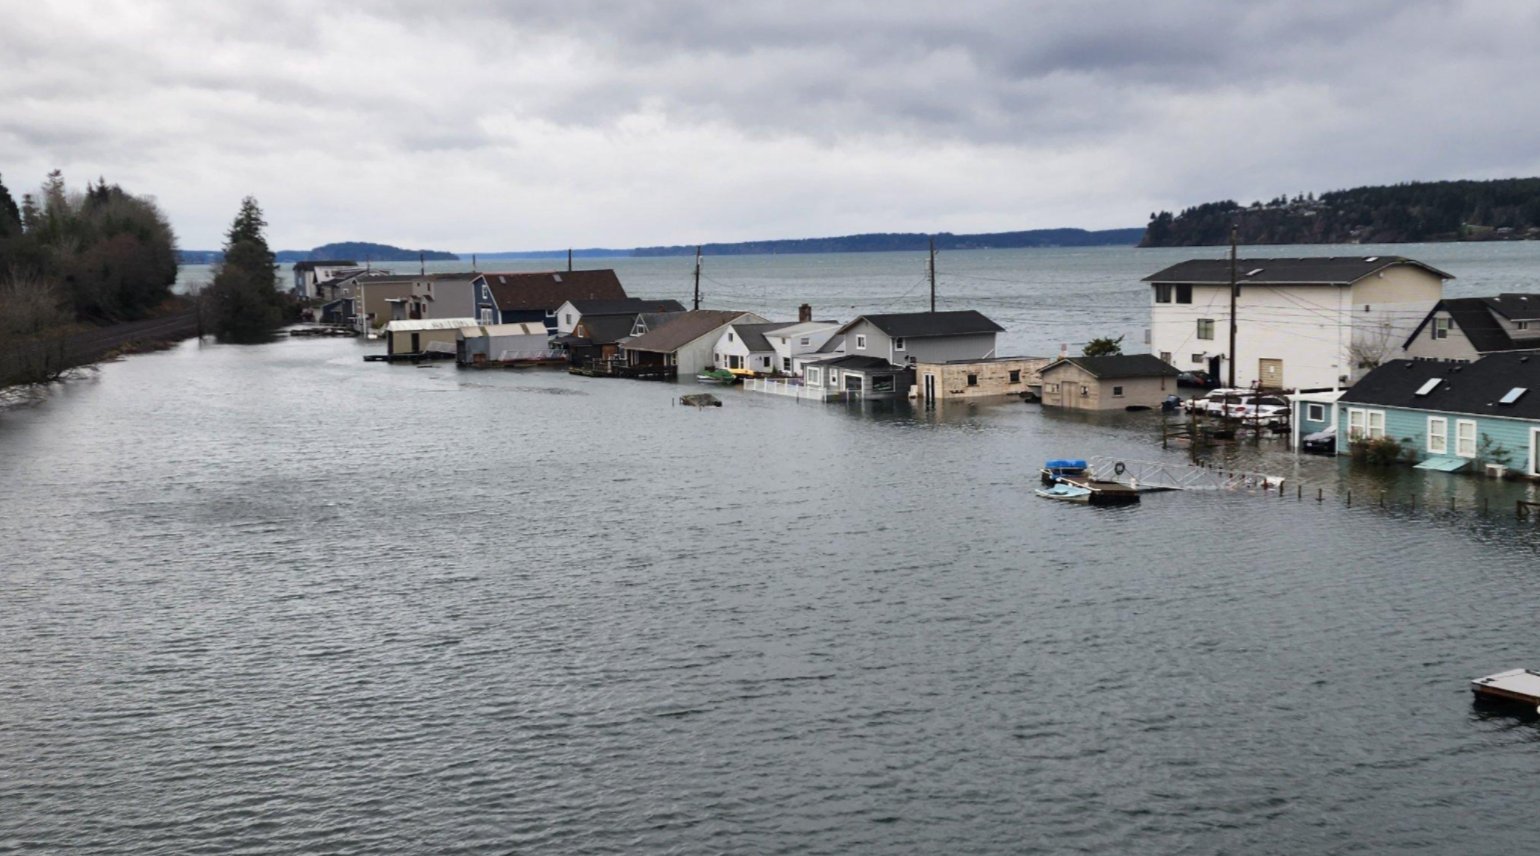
x=804 y=312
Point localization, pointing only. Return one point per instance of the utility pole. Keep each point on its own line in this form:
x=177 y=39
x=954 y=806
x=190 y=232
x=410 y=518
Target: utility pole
x=933 y=274
x=422 y=265
x=1234 y=292
x=569 y=260
x=697 y=277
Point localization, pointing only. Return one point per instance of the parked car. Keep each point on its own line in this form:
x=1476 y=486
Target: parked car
x=1214 y=403
x=1266 y=408
x=1322 y=442
x=1199 y=380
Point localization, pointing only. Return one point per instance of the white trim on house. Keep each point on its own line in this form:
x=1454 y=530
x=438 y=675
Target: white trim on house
x=1442 y=435
x=1365 y=423
x=1465 y=447
x=1315 y=412
x=1534 y=451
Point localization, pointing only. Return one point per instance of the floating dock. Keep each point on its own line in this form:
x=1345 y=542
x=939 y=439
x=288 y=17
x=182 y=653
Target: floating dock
x=1103 y=492
x=1515 y=686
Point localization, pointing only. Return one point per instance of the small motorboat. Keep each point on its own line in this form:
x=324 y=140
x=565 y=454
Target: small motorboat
x=1059 y=467
x=1065 y=492
x=721 y=377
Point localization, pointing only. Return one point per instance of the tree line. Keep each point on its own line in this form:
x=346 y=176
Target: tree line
x=1504 y=209
x=72 y=260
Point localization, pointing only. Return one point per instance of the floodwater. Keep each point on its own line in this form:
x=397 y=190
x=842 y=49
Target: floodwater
x=273 y=599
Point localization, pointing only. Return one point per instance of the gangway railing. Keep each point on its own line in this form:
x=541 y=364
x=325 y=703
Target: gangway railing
x=1162 y=475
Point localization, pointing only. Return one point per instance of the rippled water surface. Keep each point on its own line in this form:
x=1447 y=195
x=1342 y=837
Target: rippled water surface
x=275 y=600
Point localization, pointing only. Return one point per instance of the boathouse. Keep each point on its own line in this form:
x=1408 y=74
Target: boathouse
x=1116 y=382
x=978 y=378
x=426 y=336
x=494 y=344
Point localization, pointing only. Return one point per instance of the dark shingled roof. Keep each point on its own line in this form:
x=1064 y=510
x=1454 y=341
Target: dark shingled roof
x=753 y=335
x=1321 y=270
x=1473 y=388
x=1120 y=366
x=920 y=325
x=683 y=328
x=550 y=289
x=859 y=363
x=632 y=305
x=1516 y=307
x=1473 y=315
x=607 y=329
x=312 y=264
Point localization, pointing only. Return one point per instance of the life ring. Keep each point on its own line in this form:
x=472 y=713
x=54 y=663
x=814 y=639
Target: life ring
x=1119 y=468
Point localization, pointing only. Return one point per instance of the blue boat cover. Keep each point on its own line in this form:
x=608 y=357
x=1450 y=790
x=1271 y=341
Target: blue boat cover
x=1065 y=464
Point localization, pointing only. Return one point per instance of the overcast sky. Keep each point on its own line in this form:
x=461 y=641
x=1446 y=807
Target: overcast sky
x=479 y=125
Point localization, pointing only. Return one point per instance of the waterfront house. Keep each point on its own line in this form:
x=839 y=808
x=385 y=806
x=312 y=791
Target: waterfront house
x=795 y=340
x=685 y=342
x=857 y=376
x=743 y=349
x=1449 y=415
x=503 y=343
x=381 y=299
x=438 y=336
x=978 y=378
x=1304 y=323
x=909 y=337
x=515 y=297
x=572 y=311
x=1116 y=382
x=309 y=274
x=1465 y=328
x=595 y=337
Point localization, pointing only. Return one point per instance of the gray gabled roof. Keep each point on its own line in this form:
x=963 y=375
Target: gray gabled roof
x=1473 y=388
x=1119 y=366
x=858 y=363
x=921 y=325
x=1516 y=307
x=753 y=335
x=1473 y=315
x=1319 y=270
x=607 y=329
x=684 y=328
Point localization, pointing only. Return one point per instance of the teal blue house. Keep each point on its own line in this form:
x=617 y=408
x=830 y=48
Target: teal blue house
x=1451 y=415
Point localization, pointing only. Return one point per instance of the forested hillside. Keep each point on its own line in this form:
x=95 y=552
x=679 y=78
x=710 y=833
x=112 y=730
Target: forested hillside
x=1505 y=209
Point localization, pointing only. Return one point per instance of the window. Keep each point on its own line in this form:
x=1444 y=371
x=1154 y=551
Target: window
x=486 y=292
x=1365 y=424
x=1205 y=328
x=1438 y=435
x=805 y=340
x=1440 y=328
x=765 y=362
x=1162 y=292
x=1315 y=412
x=1521 y=325
x=550 y=313
x=1465 y=438
x=486 y=316
x=973 y=380
x=785 y=364
x=898 y=344
x=861 y=342
x=1084 y=391
x=812 y=376
x=1197 y=358
x=729 y=335
x=1051 y=387
x=569 y=317
x=1117 y=392
x=1184 y=294
x=1015 y=375
x=735 y=362
x=1165 y=356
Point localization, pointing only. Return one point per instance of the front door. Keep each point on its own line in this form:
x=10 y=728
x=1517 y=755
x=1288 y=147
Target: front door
x=1270 y=373
x=416 y=344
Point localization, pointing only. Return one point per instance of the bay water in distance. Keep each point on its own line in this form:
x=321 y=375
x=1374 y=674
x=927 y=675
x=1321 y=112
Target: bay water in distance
x=273 y=599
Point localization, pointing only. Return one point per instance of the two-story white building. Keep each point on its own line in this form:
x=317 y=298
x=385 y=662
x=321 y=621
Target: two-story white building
x=1301 y=323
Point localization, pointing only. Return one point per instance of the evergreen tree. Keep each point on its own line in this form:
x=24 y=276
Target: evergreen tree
x=10 y=215
x=1104 y=346
x=243 y=303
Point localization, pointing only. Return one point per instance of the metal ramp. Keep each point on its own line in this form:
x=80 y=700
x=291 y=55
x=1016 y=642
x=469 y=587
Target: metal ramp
x=1446 y=464
x=1160 y=475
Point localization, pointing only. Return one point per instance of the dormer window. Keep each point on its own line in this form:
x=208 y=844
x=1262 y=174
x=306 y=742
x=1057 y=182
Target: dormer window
x=1440 y=328
x=729 y=335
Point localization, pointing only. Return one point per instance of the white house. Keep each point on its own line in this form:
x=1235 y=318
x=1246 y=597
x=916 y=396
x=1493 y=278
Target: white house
x=685 y=340
x=307 y=274
x=1301 y=323
x=744 y=350
x=795 y=340
x=1465 y=329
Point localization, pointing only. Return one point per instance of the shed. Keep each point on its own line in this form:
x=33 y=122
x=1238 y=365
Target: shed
x=1117 y=382
x=503 y=343
x=436 y=336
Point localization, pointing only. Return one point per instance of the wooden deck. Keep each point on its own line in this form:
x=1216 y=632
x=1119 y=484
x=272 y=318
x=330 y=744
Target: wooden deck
x=1104 y=492
x=1519 y=687
x=632 y=372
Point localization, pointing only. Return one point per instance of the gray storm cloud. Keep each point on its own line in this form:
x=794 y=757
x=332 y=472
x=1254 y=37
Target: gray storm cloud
x=495 y=125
